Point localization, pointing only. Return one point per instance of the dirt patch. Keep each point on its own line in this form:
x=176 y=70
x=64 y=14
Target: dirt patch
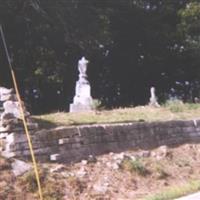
x=125 y=176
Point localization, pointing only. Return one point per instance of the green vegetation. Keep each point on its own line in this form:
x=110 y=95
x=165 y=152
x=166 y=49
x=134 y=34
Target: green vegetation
x=29 y=180
x=170 y=111
x=175 y=106
x=176 y=191
x=131 y=45
x=4 y=163
x=96 y=104
x=76 y=184
x=161 y=173
x=53 y=189
x=134 y=166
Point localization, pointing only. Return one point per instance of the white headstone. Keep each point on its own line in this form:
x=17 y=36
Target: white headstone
x=153 y=98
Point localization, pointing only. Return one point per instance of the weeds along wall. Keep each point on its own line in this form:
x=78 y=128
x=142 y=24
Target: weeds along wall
x=66 y=144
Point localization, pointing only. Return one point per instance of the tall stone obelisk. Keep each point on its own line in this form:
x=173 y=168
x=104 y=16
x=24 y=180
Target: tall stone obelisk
x=82 y=100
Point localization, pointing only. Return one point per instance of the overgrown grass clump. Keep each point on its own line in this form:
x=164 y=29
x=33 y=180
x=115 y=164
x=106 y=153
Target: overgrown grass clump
x=176 y=191
x=5 y=164
x=161 y=172
x=135 y=166
x=175 y=106
x=52 y=188
x=29 y=182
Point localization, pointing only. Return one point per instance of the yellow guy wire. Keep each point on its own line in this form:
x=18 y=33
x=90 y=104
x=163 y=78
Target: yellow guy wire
x=23 y=118
x=28 y=136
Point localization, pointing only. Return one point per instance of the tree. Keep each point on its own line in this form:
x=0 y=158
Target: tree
x=47 y=38
x=131 y=45
x=189 y=26
x=189 y=30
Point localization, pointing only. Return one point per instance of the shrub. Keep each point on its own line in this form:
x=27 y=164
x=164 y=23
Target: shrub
x=53 y=190
x=175 y=105
x=193 y=106
x=97 y=104
x=134 y=166
x=162 y=174
x=77 y=185
x=5 y=164
x=29 y=180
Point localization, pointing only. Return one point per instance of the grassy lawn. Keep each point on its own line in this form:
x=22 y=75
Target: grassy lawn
x=169 y=111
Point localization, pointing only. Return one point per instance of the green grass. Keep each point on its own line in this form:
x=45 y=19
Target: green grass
x=134 y=166
x=169 y=111
x=176 y=191
x=52 y=188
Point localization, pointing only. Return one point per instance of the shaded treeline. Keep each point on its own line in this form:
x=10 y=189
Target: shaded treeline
x=131 y=44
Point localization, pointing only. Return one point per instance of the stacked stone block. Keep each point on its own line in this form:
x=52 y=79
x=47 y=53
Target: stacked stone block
x=11 y=124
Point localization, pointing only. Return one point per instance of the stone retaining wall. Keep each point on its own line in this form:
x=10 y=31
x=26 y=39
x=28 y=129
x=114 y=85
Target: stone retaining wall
x=66 y=144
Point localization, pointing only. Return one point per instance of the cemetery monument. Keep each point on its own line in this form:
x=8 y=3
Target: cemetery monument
x=153 y=99
x=82 y=100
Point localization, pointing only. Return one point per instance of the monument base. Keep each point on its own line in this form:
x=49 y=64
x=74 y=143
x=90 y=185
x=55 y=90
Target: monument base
x=80 y=108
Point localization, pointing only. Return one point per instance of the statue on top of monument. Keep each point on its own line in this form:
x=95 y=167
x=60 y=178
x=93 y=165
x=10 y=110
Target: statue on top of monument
x=82 y=66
